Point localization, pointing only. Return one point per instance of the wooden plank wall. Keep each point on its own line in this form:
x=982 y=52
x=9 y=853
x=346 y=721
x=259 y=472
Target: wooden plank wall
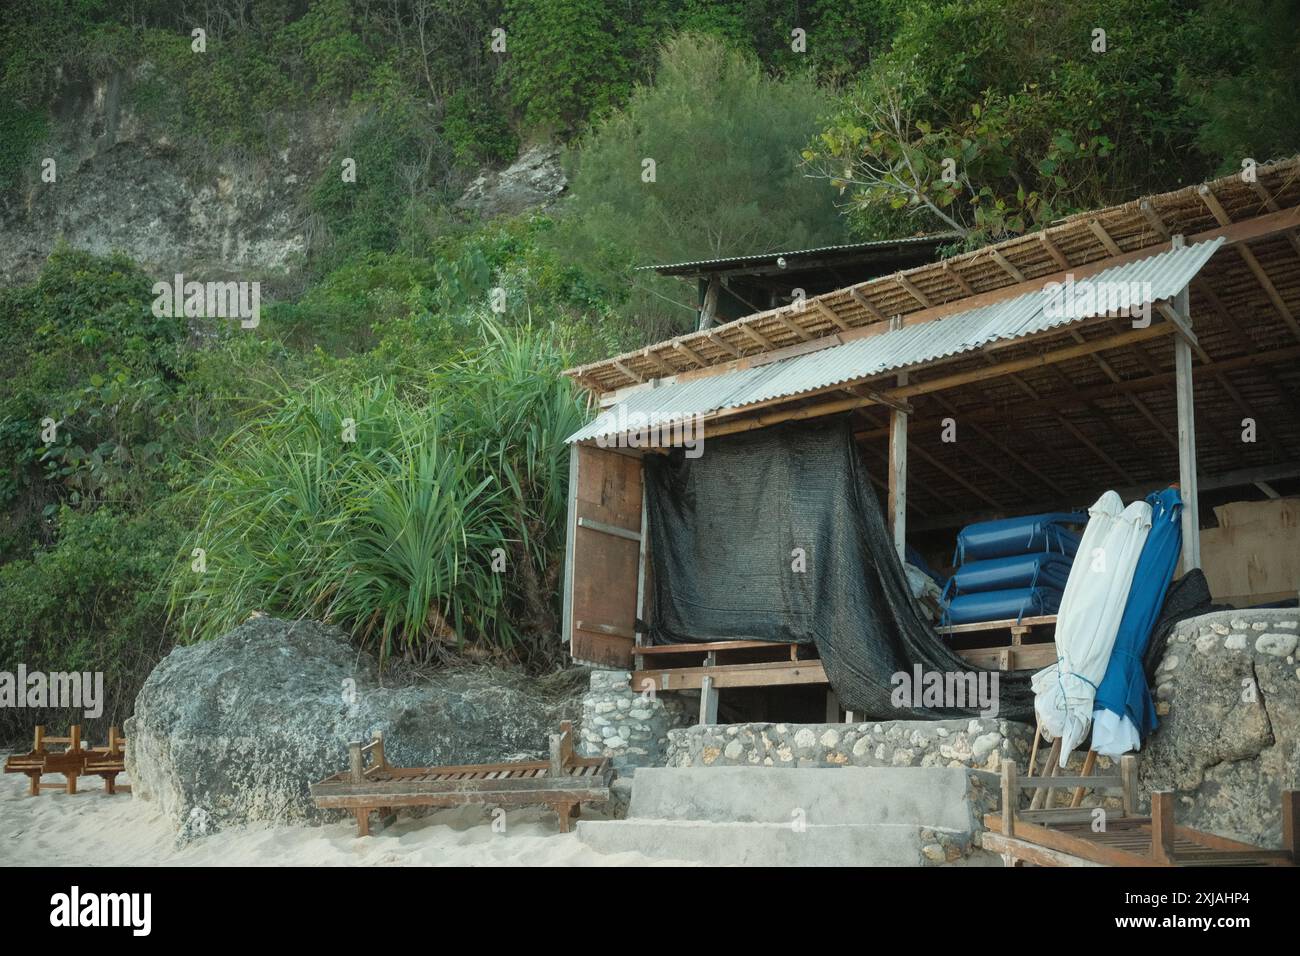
x=604 y=567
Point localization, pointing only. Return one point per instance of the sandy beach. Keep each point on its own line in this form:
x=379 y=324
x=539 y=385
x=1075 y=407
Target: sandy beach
x=90 y=828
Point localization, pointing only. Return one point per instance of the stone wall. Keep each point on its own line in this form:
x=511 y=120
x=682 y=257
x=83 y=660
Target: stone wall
x=630 y=728
x=1228 y=696
x=979 y=743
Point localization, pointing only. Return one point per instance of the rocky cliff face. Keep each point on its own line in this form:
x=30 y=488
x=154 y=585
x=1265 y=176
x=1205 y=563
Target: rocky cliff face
x=123 y=184
x=1228 y=695
x=126 y=183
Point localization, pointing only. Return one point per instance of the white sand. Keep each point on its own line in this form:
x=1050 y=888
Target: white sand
x=91 y=828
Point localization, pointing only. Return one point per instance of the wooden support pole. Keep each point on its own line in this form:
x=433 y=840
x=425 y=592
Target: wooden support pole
x=1128 y=783
x=355 y=762
x=1008 y=798
x=1186 y=437
x=708 y=701
x=832 y=706
x=1291 y=824
x=1162 y=826
x=709 y=308
x=898 y=476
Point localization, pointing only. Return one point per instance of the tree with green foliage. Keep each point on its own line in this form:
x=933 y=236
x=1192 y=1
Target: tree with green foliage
x=992 y=118
x=702 y=163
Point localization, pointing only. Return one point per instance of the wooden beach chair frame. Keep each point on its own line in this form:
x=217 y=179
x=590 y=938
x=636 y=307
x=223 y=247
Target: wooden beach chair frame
x=1065 y=836
x=74 y=761
x=563 y=782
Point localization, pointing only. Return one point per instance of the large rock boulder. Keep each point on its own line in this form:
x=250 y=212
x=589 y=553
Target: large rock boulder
x=534 y=180
x=1228 y=692
x=236 y=729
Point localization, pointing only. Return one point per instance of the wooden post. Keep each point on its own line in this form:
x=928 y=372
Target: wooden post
x=708 y=696
x=898 y=476
x=556 y=768
x=1128 y=781
x=1291 y=824
x=709 y=310
x=1008 y=798
x=1041 y=794
x=355 y=762
x=832 y=707
x=378 y=750
x=1089 y=762
x=570 y=535
x=1162 y=826
x=1191 y=557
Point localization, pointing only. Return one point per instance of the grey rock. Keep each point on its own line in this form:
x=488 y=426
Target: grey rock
x=536 y=179
x=239 y=727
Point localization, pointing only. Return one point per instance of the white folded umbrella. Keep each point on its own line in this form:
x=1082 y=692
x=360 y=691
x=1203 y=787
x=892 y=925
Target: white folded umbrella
x=1089 y=617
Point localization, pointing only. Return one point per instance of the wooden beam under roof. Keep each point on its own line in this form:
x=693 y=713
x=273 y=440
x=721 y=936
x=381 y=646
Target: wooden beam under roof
x=1261 y=275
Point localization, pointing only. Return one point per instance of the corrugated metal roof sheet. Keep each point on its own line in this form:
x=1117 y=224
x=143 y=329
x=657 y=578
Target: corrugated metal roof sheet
x=1159 y=277
x=816 y=251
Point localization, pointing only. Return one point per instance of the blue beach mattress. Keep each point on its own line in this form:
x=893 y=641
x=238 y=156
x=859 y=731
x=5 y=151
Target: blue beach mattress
x=1048 y=568
x=1024 y=535
x=1011 y=603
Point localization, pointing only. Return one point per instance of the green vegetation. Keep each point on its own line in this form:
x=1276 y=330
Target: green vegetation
x=128 y=441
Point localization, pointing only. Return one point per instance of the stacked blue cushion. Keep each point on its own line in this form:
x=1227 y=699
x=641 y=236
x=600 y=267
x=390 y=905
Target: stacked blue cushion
x=1011 y=568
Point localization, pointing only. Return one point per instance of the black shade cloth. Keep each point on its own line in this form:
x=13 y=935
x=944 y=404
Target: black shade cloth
x=1189 y=596
x=727 y=530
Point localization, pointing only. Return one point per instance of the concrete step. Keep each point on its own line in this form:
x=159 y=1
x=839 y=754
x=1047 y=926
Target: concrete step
x=776 y=844
x=807 y=816
x=833 y=796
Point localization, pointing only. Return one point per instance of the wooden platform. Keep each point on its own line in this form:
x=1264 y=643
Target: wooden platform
x=563 y=782
x=1007 y=645
x=677 y=667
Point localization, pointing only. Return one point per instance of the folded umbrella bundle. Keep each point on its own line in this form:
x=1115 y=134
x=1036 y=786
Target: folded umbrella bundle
x=1089 y=618
x=1123 y=714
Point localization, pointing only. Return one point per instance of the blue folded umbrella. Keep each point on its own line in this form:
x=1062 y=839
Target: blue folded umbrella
x=1123 y=714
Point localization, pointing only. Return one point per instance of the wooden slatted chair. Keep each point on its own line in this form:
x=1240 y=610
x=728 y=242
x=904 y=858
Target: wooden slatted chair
x=74 y=761
x=563 y=782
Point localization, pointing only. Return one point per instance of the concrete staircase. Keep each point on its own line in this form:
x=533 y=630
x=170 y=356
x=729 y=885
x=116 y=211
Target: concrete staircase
x=815 y=816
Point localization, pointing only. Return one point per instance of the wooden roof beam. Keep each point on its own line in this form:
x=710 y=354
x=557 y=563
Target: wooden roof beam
x=1248 y=257
x=759 y=337
x=1098 y=230
x=690 y=353
x=652 y=356
x=915 y=449
x=1057 y=256
x=799 y=331
x=830 y=313
x=1271 y=205
x=634 y=376
x=913 y=291
x=861 y=299
x=1007 y=266
x=723 y=344
x=950 y=270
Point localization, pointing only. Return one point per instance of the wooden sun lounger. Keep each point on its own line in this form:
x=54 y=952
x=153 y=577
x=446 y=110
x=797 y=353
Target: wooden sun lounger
x=72 y=762
x=563 y=782
x=1066 y=836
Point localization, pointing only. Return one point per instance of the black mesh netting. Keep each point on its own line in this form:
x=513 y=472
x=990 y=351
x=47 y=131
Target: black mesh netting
x=726 y=530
